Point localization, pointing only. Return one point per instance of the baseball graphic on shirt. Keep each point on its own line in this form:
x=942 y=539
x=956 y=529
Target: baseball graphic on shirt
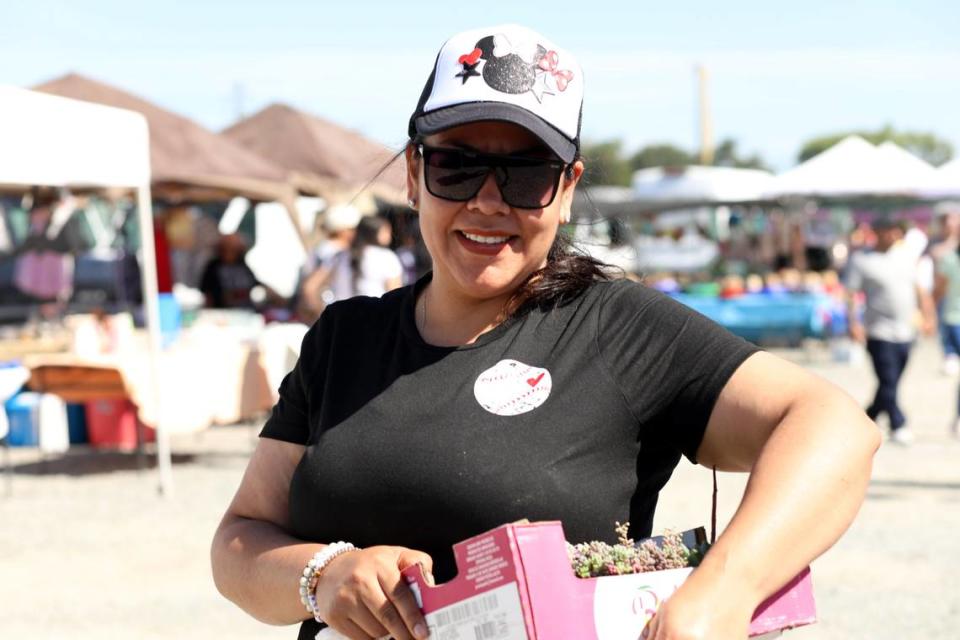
x=510 y=388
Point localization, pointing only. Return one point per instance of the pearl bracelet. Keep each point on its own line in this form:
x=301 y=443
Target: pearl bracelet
x=311 y=574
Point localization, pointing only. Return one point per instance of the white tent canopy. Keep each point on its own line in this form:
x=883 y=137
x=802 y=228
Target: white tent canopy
x=952 y=168
x=58 y=142
x=854 y=167
x=700 y=184
x=947 y=181
x=53 y=141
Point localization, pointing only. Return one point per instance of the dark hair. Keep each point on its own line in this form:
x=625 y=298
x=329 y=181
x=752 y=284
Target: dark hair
x=367 y=230
x=568 y=272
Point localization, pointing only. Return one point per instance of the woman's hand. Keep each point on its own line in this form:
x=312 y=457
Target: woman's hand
x=702 y=610
x=362 y=595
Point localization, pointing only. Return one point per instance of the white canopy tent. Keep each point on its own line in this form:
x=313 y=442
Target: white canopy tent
x=952 y=168
x=58 y=142
x=947 y=181
x=855 y=168
x=696 y=184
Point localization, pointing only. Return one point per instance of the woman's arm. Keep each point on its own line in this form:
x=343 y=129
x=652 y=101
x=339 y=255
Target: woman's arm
x=257 y=565
x=809 y=448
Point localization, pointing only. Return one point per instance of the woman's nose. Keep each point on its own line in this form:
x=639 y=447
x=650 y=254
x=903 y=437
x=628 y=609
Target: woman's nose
x=489 y=200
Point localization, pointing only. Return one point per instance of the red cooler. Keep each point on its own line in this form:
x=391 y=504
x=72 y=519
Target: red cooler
x=112 y=424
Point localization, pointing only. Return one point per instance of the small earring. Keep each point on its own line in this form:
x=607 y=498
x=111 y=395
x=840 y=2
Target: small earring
x=412 y=203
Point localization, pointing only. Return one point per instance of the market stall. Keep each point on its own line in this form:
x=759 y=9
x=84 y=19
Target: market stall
x=57 y=142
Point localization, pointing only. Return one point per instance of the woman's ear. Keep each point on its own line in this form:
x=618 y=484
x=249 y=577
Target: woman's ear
x=571 y=176
x=413 y=175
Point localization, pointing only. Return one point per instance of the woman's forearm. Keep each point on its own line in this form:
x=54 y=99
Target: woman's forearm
x=804 y=491
x=257 y=566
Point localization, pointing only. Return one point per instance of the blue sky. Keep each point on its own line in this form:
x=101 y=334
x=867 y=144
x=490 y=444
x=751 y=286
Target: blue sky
x=779 y=72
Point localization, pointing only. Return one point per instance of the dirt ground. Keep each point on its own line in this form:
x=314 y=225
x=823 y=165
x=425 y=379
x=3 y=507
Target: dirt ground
x=89 y=551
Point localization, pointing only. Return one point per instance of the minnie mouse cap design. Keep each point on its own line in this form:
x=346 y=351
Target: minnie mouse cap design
x=510 y=74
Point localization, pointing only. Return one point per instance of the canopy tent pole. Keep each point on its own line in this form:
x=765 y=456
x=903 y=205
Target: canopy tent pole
x=151 y=307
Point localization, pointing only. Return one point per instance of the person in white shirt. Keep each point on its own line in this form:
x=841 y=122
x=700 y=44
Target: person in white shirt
x=893 y=293
x=326 y=277
x=375 y=268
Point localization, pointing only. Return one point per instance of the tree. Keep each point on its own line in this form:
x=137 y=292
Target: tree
x=928 y=146
x=661 y=155
x=605 y=164
x=726 y=155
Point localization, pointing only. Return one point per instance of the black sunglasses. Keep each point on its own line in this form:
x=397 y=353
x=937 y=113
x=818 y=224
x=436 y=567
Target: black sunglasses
x=458 y=174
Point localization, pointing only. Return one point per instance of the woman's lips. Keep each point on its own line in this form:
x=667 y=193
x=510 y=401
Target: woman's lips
x=491 y=245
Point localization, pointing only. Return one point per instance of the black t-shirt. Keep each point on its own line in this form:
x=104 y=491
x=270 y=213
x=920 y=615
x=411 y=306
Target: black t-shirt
x=578 y=414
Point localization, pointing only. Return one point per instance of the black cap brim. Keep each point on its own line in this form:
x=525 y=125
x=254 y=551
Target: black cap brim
x=468 y=112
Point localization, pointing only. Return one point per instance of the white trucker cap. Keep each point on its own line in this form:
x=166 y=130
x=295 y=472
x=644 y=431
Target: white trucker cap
x=510 y=74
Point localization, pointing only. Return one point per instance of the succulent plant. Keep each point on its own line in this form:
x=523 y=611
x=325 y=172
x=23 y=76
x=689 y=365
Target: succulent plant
x=594 y=559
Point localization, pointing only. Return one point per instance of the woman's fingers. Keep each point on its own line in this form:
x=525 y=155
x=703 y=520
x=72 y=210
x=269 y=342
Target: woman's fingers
x=351 y=630
x=650 y=631
x=410 y=557
x=401 y=597
x=384 y=611
x=364 y=592
x=369 y=623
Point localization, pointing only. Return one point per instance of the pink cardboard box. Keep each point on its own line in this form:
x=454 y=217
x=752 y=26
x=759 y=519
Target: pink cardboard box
x=515 y=583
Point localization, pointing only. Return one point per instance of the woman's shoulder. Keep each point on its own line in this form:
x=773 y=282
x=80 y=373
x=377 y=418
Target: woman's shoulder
x=625 y=302
x=624 y=291
x=369 y=308
x=609 y=300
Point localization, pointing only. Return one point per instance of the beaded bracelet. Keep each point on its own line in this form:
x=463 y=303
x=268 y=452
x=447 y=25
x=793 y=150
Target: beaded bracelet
x=311 y=574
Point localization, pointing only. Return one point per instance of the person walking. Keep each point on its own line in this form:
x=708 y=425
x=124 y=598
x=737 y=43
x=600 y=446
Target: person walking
x=887 y=276
x=947 y=296
x=327 y=275
x=948 y=218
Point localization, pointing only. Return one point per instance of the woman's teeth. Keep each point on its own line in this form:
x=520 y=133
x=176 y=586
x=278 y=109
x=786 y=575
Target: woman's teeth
x=485 y=239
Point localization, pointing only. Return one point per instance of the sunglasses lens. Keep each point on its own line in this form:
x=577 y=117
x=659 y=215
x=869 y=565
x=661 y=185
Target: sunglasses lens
x=529 y=184
x=450 y=174
x=525 y=183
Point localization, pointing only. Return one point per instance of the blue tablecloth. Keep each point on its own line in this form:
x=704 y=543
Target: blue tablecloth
x=787 y=317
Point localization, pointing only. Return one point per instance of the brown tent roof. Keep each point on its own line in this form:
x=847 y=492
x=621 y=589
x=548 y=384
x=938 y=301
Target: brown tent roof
x=181 y=151
x=319 y=151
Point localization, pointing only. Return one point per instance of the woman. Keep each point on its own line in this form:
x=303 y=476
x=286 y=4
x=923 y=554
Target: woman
x=374 y=267
x=521 y=380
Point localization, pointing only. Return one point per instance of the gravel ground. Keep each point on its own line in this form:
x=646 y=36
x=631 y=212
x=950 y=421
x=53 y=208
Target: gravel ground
x=88 y=550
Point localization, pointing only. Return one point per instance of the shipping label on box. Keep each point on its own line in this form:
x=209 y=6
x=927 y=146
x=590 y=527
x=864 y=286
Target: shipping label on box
x=483 y=602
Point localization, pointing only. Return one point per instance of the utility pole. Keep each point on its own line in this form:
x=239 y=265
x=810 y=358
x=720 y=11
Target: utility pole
x=706 y=122
x=238 y=96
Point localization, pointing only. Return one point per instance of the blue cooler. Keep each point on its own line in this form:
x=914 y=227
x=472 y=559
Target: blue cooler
x=23 y=411
x=77 y=423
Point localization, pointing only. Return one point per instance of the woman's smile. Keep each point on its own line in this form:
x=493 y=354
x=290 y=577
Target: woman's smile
x=484 y=248
x=489 y=243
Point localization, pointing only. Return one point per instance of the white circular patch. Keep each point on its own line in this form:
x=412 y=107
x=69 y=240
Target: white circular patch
x=510 y=388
